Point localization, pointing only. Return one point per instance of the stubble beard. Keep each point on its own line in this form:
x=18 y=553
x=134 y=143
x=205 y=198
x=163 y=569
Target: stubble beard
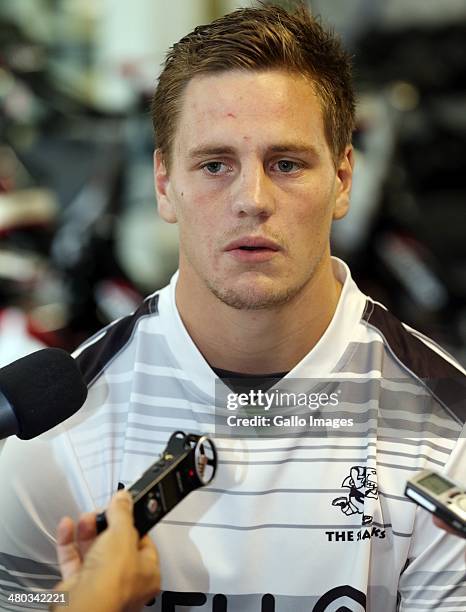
x=252 y=298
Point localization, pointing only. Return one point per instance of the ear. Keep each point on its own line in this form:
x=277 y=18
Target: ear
x=162 y=189
x=344 y=179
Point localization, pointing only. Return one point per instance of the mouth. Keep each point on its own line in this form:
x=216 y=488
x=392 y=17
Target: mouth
x=253 y=249
x=253 y=243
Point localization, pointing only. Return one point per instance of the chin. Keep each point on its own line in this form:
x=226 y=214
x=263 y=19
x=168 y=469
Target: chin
x=253 y=297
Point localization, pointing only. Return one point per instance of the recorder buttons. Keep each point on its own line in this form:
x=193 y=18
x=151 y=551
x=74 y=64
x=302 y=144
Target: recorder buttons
x=153 y=507
x=461 y=501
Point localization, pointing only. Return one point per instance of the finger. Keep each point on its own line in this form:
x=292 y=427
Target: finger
x=120 y=514
x=65 y=531
x=86 y=532
x=147 y=552
x=147 y=547
x=149 y=567
x=442 y=525
x=68 y=554
x=149 y=556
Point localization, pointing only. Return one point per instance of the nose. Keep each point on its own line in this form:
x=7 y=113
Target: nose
x=253 y=195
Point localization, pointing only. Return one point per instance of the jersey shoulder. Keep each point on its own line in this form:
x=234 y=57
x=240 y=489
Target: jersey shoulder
x=96 y=354
x=421 y=358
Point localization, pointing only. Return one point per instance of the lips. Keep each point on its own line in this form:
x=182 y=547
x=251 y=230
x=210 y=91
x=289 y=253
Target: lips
x=252 y=243
x=252 y=250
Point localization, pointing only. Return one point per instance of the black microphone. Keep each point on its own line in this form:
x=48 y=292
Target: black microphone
x=39 y=391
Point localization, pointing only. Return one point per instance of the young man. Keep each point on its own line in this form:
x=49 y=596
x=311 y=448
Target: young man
x=253 y=117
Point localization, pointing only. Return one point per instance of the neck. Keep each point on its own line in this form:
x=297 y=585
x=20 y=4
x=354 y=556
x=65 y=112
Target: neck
x=259 y=341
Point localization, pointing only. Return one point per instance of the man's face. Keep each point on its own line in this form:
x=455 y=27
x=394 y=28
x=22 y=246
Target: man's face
x=252 y=186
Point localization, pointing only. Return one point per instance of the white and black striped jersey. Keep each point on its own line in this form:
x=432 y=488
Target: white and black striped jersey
x=296 y=520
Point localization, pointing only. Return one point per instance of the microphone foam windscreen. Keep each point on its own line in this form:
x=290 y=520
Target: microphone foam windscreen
x=43 y=389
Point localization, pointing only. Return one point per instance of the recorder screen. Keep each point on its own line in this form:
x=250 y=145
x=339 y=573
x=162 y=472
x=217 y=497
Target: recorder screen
x=435 y=484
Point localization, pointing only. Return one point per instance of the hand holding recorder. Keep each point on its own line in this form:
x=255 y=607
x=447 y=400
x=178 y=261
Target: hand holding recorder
x=117 y=572
x=445 y=499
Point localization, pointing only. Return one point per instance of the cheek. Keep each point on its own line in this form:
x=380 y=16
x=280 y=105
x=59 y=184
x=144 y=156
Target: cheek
x=314 y=208
x=199 y=222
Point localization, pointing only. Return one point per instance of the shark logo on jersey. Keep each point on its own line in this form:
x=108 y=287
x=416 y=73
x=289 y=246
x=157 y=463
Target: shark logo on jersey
x=361 y=483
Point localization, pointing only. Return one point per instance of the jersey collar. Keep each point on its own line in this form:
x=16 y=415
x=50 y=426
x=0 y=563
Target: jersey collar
x=318 y=363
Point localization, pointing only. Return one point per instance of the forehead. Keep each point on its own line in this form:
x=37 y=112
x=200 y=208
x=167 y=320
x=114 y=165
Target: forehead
x=259 y=107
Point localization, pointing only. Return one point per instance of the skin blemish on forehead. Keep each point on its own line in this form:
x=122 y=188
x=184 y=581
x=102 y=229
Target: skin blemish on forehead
x=231 y=115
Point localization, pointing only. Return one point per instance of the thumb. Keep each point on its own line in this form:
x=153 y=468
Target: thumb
x=120 y=511
x=68 y=554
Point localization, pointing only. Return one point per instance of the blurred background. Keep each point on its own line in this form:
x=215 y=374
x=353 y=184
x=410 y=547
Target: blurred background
x=80 y=240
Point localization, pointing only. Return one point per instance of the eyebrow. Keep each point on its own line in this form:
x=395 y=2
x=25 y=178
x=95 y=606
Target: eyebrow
x=199 y=152
x=286 y=147
x=293 y=147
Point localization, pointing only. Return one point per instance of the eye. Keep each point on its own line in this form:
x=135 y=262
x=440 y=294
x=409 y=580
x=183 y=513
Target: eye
x=215 y=167
x=286 y=166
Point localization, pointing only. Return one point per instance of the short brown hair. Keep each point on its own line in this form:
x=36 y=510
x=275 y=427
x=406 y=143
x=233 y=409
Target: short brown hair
x=256 y=39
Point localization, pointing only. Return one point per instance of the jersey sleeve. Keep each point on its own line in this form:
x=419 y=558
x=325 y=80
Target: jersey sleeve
x=435 y=577
x=40 y=483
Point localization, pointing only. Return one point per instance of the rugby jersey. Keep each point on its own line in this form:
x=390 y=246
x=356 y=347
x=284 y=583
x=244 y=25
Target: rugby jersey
x=297 y=518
